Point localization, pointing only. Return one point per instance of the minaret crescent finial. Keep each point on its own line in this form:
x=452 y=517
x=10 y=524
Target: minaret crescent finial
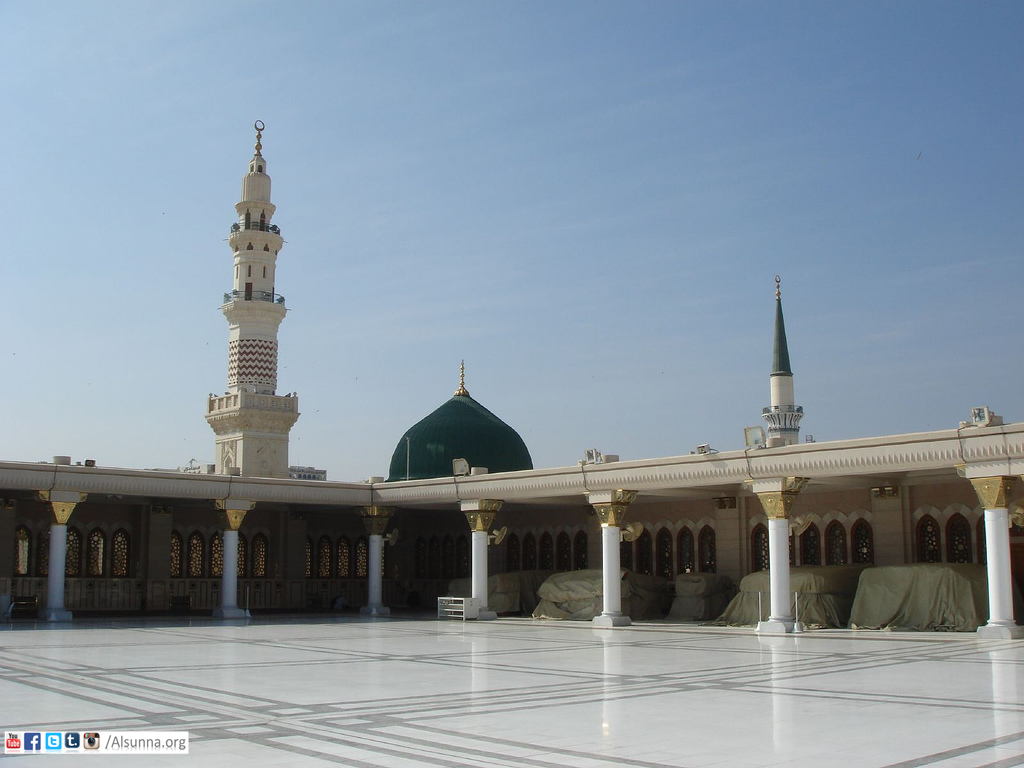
x=462 y=391
x=259 y=126
x=778 y=290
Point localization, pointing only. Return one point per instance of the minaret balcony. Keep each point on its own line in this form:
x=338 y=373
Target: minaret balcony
x=255 y=227
x=783 y=409
x=273 y=298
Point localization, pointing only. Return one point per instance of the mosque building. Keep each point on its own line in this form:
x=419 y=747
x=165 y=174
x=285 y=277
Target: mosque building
x=462 y=500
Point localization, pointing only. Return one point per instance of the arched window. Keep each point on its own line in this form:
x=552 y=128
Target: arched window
x=529 y=552
x=242 y=547
x=259 y=556
x=22 y=541
x=663 y=558
x=461 y=557
x=644 y=558
x=863 y=543
x=95 y=560
x=448 y=558
x=345 y=557
x=177 y=555
x=323 y=558
x=684 y=546
x=421 y=558
x=248 y=220
x=512 y=553
x=835 y=544
x=43 y=552
x=810 y=546
x=120 y=554
x=759 y=553
x=547 y=552
x=929 y=545
x=706 y=545
x=626 y=555
x=263 y=222
x=217 y=555
x=563 y=552
x=958 y=539
x=73 y=558
x=309 y=558
x=982 y=543
x=362 y=558
x=196 y=555
x=580 y=550
x=434 y=558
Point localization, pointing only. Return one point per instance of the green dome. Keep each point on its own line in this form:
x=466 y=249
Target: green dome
x=459 y=429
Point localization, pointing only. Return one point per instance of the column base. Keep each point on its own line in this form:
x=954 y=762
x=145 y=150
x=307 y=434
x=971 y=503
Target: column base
x=775 y=627
x=375 y=610
x=1000 y=632
x=231 y=613
x=612 y=620
x=56 y=614
x=486 y=615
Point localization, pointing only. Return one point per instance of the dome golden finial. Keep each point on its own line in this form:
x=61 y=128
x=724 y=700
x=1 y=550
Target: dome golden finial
x=778 y=290
x=462 y=391
x=259 y=126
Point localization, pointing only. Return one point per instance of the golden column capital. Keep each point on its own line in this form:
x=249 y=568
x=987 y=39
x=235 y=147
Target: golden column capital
x=779 y=503
x=993 y=492
x=232 y=512
x=376 y=518
x=62 y=503
x=480 y=521
x=610 y=506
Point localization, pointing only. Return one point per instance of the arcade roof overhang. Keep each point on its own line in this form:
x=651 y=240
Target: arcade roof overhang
x=908 y=459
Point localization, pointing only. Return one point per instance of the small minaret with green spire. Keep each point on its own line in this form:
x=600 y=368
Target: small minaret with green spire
x=783 y=415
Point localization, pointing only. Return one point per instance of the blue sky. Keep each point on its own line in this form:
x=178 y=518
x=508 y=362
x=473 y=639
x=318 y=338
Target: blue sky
x=586 y=201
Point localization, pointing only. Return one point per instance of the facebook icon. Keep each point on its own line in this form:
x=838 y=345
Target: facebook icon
x=54 y=741
x=33 y=742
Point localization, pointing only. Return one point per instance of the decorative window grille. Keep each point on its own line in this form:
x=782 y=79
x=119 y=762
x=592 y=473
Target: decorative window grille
x=43 y=552
x=362 y=558
x=242 y=547
x=434 y=558
x=259 y=556
x=958 y=539
x=663 y=560
x=982 y=543
x=684 y=548
x=810 y=546
x=759 y=552
x=529 y=552
x=461 y=557
x=345 y=557
x=547 y=552
x=512 y=553
x=929 y=541
x=22 y=541
x=309 y=558
x=706 y=545
x=644 y=552
x=94 y=560
x=217 y=555
x=563 y=552
x=421 y=558
x=626 y=555
x=196 y=555
x=73 y=558
x=835 y=544
x=177 y=555
x=447 y=558
x=323 y=558
x=120 y=554
x=863 y=542
x=580 y=550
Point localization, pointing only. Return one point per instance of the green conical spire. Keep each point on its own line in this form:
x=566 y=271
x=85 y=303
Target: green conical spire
x=780 y=353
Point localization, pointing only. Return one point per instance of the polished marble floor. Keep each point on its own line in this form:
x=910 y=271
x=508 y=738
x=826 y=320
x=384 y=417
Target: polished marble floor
x=400 y=692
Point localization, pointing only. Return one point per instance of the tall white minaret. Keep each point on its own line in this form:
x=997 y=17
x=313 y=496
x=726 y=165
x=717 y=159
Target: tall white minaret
x=250 y=420
x=783 y=415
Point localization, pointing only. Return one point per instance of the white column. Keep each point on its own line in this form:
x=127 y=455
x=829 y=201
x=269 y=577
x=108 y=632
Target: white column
x=55 y=610
x=993 y=493
x=375 y=520
x=480 y=568
x=777 y=496
x=610 y=508
x=778 y=573
x=375 y=582
x=480 y=514
x=229 y=580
